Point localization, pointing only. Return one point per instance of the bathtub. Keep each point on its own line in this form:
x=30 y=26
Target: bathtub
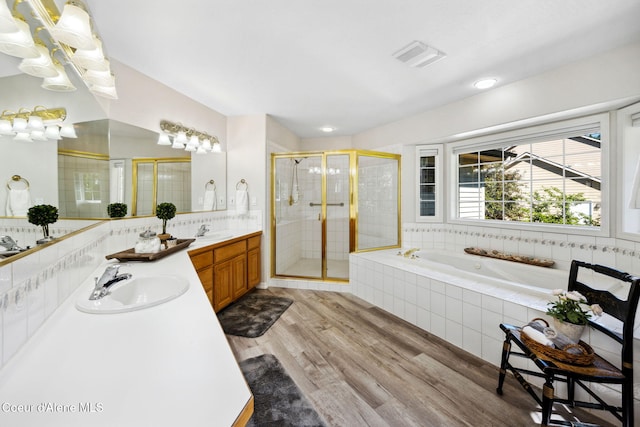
x=487 y=274
x=495 y=271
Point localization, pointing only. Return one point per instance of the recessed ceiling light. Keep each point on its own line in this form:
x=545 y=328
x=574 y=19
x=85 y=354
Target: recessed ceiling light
x=485 y=83
x=327 y=129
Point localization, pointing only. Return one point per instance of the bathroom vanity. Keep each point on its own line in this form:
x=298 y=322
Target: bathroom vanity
x=161 y=365
x=228 y=269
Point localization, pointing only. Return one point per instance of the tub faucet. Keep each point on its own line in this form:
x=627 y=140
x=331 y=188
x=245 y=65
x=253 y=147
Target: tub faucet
x=410 y=253
x=202 y=230
x=108 y=278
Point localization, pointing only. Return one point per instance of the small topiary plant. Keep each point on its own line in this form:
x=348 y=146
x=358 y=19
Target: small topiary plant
x=165 y=211
x=43 y=215
x=117 y=210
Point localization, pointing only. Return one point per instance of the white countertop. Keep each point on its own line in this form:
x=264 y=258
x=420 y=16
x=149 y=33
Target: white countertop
x=168 y=365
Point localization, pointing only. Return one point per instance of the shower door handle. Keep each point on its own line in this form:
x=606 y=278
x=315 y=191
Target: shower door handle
x=319 y=218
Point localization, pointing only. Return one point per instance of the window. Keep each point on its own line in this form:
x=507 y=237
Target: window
x=87 y=187
x=429 y=197
x=549 y=178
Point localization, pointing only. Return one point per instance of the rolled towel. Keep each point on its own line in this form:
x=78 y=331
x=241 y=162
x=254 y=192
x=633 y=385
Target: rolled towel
x=561 y=341
x=536 y=335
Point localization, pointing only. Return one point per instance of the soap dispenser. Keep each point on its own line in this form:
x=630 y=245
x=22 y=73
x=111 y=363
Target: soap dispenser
x=149 y=242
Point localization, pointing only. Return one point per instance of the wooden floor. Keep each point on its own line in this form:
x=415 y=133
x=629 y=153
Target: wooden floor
x=361 y=366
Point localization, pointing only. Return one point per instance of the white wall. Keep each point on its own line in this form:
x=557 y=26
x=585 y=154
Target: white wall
x=576 y=88
x=246 y=158
x=281 y=136
x=327 y=143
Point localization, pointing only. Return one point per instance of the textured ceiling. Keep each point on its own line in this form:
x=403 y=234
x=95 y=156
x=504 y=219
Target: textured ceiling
x=312 y=63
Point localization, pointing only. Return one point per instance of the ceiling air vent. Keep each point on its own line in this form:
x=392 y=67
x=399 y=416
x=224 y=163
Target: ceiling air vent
x=417 y=54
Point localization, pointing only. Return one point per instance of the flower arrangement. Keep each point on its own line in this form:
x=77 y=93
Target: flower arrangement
x=570 y=307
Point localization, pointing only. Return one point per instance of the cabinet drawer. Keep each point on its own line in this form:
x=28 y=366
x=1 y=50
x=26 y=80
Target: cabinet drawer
x=202 y=260
x=229 y=251
x=253 y=242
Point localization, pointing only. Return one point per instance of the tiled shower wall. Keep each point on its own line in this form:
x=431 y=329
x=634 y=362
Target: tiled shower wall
x=33 y=287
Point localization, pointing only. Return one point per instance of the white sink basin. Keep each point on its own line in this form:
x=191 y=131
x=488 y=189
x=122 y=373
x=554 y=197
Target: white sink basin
x=135 y=294
x=216 y=236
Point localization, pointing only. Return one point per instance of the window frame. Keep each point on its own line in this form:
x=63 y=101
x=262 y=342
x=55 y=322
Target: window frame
x=533 y=134
x=440 y=200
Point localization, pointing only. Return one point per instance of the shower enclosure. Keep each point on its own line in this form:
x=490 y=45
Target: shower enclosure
x=328 y=204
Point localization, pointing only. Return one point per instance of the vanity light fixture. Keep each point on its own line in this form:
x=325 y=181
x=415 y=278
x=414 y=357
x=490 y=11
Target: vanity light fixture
x=188 y=139
x=74 y=27
x=39 y=124
x=19 y=43
x=40 y=66
x=7 y=21
x=71 y=33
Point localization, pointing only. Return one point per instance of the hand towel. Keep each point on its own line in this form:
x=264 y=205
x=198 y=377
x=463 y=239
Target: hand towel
x=209 y=203
x=242 y=202
x=18 y=202
x=538 y=336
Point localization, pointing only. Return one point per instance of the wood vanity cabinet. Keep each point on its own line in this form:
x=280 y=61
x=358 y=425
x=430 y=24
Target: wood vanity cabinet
x=228 y=270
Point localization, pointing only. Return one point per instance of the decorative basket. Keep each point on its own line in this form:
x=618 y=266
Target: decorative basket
x=584 y=358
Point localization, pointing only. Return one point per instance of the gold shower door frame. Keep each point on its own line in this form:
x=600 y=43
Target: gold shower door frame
x=353 y=206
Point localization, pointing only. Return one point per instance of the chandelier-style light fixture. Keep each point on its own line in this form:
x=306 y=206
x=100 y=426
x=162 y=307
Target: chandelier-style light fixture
x=39 y=124
x=47 y=40
x=183 y=138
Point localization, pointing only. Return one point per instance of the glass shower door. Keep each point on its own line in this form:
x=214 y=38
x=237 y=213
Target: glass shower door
x=297 y=188
x=337 y=216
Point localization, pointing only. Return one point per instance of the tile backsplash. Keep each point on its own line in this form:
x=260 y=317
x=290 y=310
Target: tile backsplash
x=561 y=248
x=33 y=287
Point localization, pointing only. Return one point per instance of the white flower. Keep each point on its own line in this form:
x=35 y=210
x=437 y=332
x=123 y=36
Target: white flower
x=558 y=292
x=576 y=296
x=597 y=310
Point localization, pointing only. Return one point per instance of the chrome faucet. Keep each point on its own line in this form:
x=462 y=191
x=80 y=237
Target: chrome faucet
x=108 y=278
x=202 y=230
x=9 y=244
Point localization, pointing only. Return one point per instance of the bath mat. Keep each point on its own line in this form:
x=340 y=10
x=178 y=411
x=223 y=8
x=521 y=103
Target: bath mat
x=252 y=315
x=277 y=399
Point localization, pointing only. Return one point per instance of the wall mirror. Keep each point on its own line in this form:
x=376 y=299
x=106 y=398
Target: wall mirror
x=66 y=173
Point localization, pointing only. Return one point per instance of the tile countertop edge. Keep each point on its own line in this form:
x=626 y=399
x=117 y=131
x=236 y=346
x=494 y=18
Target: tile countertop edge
x=166 y=365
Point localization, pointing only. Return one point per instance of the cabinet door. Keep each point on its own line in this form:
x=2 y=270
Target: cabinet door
x=239 y=276
x=222 y=284
x=253 y=268
x=206 y=278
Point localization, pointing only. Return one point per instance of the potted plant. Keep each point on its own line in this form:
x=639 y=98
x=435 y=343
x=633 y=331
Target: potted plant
x=571 y=313
x=117 y=210
x=43 y=215
x=165 y=211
